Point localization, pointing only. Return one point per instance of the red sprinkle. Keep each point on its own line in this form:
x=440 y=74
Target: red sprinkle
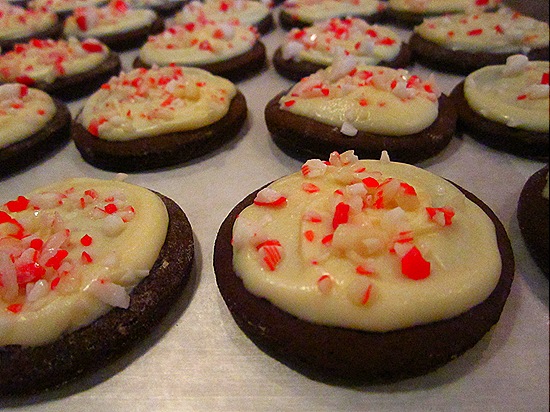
x=55 y=261
x=36 y=244
x=55 y=283
x=327 y=239
x=86 y=258
x=366 y=296
x=447 y=212
x=86 y=240
x=414 y=266
x=545 y=78
x=15 y=307
x=18 y=205
x=111 y=208
x=310 y=188
x=341 y=215
x=475 y=32
x=309 y=235
x=362 y=271
x=290 y=103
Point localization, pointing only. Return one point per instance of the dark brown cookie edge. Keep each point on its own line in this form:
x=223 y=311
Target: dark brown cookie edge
x=53 y=32
x=26 y=370
x=533 y=219
x=366 y=357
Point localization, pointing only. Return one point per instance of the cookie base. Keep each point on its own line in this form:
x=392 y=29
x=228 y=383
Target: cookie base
x=340 y=355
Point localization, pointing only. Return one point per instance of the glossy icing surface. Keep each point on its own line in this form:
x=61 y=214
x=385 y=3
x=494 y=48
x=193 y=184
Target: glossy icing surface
x=18 y=22
x=442 y=6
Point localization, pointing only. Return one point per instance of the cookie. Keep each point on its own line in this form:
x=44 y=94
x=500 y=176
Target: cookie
x=464 y=43
x=305 y=51
x=364 y=108
x=324 y=256
x=506 y=107
x=246 y=12
x=230 y=50
x=532 y=215
x=116 y=25
x=64 y=8
x=93 y=289
x=19 y=25
x=187 y=113
x=68 y=69
x=304 y=13
x=410 y=13
x=33 y=126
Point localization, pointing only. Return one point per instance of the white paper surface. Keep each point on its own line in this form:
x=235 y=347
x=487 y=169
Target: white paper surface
x=199 y=360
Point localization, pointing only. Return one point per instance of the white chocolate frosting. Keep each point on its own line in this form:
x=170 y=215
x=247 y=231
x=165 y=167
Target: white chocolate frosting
x=442 y=6
x=498 y=32
x=23 y=112
x=372 y=99
x=199 y=42
x=64 y=6
x=369 y=245
x=515 y=94
x=16 y=22
x=47 y=60
x=325 y=41
x=114 y=18
x=246 y=12
x=153 y=102
x=318 y=10
x=78 y=248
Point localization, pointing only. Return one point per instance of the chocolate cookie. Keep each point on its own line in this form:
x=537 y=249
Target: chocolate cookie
x=497 y=135
x=235 y=68
x=303 y=138
x=435 y=56
x=160 y=151
x=296 y=70
x=55 y=134
x=27 y=369
x=366 y=357
x=532 y=215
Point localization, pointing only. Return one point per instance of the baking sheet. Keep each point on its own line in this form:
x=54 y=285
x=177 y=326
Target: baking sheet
x=199 y=360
